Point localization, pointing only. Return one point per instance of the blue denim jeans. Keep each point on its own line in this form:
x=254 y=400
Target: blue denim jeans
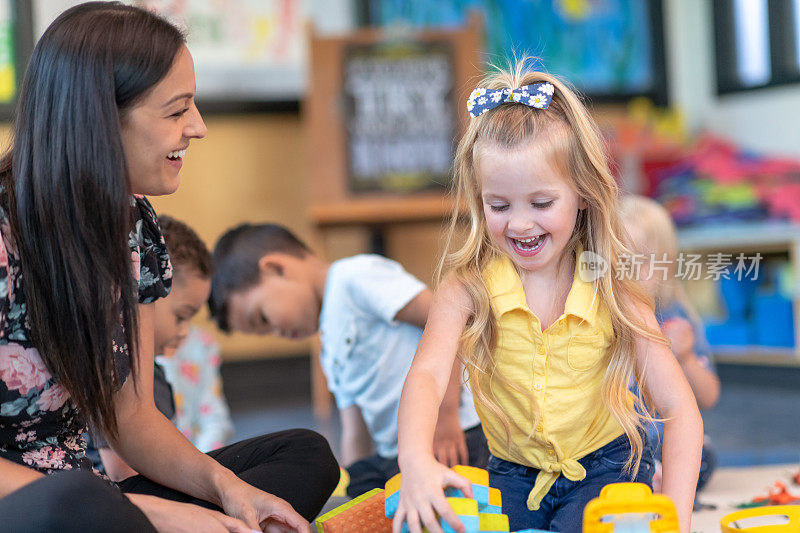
x=562 y=507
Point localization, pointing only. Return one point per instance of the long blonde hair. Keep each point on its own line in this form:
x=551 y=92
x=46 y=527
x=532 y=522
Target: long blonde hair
x=648 y=219
x=567 y=133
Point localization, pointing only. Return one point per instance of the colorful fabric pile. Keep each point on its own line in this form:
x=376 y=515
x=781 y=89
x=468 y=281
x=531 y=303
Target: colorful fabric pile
x=718 y=182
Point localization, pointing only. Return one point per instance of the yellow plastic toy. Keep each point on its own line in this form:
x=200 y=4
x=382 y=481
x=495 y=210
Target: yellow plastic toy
x=478 y=476
x=493 y=522
x=631 y=504
x=480 y=513
x=790 y=511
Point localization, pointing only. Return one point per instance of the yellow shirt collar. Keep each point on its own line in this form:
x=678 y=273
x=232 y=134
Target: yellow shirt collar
x=506 y=293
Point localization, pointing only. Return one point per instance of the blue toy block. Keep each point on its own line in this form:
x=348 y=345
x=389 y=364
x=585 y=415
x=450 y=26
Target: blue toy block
x=774 y=321
x=730 y=333
x=471 y=524
x=480 y=493
x=737 y=295
x=391 y=503
x=493 y=509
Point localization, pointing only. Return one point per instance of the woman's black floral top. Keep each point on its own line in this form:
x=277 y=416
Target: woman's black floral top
x=39 y=425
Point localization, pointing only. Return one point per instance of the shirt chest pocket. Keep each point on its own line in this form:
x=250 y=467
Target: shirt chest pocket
x=585 y=350
x=338 y=349
x=347 y=341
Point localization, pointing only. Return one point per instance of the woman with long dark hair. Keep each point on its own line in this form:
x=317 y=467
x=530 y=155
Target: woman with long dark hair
x=106 y=114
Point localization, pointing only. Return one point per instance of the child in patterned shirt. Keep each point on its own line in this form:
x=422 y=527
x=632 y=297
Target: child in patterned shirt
x=192 y=370
x=191 y=263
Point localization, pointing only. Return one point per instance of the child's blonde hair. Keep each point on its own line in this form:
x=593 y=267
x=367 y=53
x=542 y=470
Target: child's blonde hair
x=568 y=137
x=646 y=218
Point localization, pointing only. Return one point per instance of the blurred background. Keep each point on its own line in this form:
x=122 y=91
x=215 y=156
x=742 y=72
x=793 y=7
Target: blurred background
x=337 y=118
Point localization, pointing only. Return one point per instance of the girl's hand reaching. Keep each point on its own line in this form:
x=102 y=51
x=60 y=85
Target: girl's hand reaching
x=422 y=499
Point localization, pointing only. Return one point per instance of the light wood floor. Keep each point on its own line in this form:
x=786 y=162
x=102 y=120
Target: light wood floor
x=731 y=486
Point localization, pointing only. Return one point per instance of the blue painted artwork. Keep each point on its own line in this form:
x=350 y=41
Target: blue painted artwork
x=603 y=47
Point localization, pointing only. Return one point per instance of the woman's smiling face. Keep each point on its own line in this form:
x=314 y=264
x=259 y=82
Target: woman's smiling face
x=156 y=132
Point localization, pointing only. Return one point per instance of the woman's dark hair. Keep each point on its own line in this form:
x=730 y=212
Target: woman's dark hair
x=69 y=196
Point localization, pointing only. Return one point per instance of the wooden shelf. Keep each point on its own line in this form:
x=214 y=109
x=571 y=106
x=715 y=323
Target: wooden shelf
x=758 y=355
x=382 y=209
x=743 y=236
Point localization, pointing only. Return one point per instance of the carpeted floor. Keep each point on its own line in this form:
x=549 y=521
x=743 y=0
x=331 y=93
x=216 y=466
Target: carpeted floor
x=755 y=427
x=756 y=421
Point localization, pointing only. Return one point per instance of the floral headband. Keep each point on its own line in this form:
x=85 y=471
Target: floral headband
x=536 y=95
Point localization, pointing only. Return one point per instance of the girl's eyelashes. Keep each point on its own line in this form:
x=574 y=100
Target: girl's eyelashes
x=538 y=205
x=263 y=318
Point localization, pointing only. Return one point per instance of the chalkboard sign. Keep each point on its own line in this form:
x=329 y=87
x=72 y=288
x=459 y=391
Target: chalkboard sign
x=382 y=113
x=399 y=115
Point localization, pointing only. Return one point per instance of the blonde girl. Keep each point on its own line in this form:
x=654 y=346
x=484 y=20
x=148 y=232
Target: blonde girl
x=653 y=236
x=551 y=333
x=654 y=239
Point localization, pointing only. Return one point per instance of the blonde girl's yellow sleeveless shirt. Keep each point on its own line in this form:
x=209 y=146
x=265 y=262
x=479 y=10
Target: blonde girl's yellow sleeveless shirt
x=562 y=367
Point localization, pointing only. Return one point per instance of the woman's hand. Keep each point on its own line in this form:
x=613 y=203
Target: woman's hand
x=260 y=510
x=175 y=517
x=422 y=497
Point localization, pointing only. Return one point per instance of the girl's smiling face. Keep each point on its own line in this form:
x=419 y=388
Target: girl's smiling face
x=156 y=132
x=530 y=207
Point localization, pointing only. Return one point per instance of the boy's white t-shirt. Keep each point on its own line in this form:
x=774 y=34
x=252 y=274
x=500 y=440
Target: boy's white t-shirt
x=366 y=354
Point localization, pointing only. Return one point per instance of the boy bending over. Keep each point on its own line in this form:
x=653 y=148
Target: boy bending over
x=370 y=313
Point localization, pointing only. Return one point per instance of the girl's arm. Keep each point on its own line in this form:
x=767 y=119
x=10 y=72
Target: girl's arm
x=683 y=427
x=154 y=447
x=423 y=481
x=449 y=442
x=704 y=382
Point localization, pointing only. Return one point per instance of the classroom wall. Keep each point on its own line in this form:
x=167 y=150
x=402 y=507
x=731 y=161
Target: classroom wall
x=763 y=120
x=253 y=167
